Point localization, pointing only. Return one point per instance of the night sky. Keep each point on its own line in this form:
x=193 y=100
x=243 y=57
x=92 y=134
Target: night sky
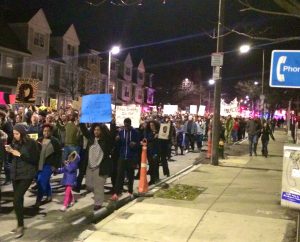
x=172 y=38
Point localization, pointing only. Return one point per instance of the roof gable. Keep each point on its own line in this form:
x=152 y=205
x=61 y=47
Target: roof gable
x=141 y=66
x=40 y=22
x=71 y=35
x=128 y=61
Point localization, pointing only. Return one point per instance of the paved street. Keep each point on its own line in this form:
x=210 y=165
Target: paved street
x=45 y=224
x=240 y=202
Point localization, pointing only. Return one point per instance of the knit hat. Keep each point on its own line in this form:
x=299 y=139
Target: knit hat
x=21 y=129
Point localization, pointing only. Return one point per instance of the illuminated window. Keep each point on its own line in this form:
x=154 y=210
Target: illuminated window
x=9 y=62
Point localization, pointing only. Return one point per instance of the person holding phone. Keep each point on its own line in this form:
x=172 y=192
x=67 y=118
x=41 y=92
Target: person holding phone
x=25 y=152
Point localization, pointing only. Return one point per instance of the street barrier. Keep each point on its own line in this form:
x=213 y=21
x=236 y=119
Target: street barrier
x=143 y=183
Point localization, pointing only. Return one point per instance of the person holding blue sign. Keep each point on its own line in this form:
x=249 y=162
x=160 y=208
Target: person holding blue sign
x=98 y=155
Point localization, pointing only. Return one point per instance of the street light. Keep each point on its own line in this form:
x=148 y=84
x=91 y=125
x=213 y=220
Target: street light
x=113 y=51
x=255 y=83
x=211 y=81
x=245 y=49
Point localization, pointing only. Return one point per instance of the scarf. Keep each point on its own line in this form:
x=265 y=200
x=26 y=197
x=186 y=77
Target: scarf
x=95 y=155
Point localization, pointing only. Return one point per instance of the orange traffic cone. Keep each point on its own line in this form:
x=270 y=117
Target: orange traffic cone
x=143 y=183
x=208 y=154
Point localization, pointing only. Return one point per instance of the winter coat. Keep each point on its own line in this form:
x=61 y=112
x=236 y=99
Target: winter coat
x=252 y=127
x=126 y=137
x=193 y=129
x=37 y=129
x=105 y=167
x=266 y=132
x=70 y=171
x=152 y=144
x=25 y=166
x=55 y=158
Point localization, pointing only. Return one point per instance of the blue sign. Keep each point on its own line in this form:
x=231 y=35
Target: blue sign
x=285 y=69
x=290 y=197
x=96 y=108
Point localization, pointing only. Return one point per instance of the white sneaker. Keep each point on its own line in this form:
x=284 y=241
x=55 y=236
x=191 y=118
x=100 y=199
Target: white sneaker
x=63 y=209
x=186 y=151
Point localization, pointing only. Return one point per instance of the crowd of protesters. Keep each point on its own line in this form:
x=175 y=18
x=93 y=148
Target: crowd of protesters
x=99 y=151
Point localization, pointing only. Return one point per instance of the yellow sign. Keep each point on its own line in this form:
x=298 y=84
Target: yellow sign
x=77 y=104
x=53 y=104
x=34 y=136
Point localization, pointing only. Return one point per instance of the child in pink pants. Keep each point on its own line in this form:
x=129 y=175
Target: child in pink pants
x=69 y=179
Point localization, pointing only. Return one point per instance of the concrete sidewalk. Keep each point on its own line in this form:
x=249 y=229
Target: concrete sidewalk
x=240 y=202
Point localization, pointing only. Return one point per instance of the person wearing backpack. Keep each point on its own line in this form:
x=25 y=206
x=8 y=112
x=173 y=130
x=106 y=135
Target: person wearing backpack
x=25 y=153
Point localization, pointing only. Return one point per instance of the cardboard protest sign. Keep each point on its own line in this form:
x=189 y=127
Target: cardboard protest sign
x=164 y=131
x=77 y=104
x=193 y=109
x=133 y=112
x=96 y=108
x=170 y=109
x=201 y=111
x=53 y=104
x=26 y=90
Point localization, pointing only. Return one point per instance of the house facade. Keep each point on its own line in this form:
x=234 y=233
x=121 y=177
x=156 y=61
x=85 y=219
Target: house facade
x=32 y=48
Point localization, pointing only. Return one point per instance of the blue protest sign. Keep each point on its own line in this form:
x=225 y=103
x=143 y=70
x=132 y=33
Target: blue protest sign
x=96 y=108
x=285 y=69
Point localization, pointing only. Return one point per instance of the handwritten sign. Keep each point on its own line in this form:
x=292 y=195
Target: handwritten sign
x=201 y=111
x=96 y=108
x=133 y=112
x=170 y=109
x=193 y=109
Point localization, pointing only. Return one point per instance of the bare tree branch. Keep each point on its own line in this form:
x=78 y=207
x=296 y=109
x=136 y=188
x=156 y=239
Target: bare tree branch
x=249 y=7
x=291 y=6
x=278 y=40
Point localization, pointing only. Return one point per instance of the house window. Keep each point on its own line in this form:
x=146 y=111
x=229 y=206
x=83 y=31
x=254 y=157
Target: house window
x=141 y=76
x=37 y=72
x=9 y=62
x=39 y=40
x=71 y=50
x=128 y=71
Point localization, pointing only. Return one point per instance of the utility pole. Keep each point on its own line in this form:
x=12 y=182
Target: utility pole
x=217 y=90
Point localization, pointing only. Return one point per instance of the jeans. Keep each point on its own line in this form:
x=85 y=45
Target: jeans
x=252 y=143
x=20 y=187
x=189 y=141
x=234 y=134
x=199 y=138
x=69 y=149
x=43 y=182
